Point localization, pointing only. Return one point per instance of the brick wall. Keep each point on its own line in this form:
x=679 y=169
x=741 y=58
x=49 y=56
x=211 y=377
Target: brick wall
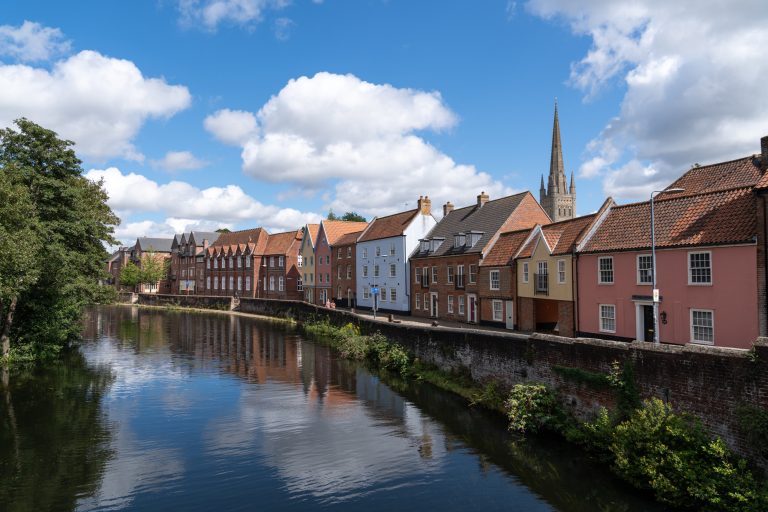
x=567 y=319
x=442 y=287
x=526 y=318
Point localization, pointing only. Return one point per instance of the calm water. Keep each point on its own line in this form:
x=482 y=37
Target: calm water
x=183 y=411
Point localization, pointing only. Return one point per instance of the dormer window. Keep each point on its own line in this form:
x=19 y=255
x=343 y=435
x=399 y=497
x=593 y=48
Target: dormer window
x=436 y=243
x=473 y=237
x=424 y=246
x=459 y=240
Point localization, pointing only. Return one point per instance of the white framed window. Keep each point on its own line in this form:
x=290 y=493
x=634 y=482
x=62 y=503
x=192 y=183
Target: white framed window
x=240 y=262
x=434 y=275
x=460 y=276
x=327 y=277
x=281 y=284
x=320 y=278
x=271 y=283
x=208 y=283
x=542 y=278
x=231 y=283
x=299 y=261
x=393 y=294
x=458 y=241
x=495 y=279
x=605 y=270
x=272 y=262
x=366 y=293
x=473 y=273
x=215 y=263
x=426 y=302
x=383 y=292
x=417 y=301
x=265 y=283
x=450 y=304
x=607 y=318
x=338 y=257
x=365 y=252
x=208 y=263
x=644 y=269
x=498 y=313
x=392 y=270
x=349 y=252
x=327 y=259
x=417 y=275
x=215 y=283
x=349 y=271
x=525 y=272
x=449 y=276
x=239 y=283
x=231 y=262
x=299 y=285
x=425 y=276
x=248 y=261
x=338 y=290
x=365 y=270
x=461 y=304
x=378 y=250
x=376 y=270
x=281 y=261
x=700 y=268
x=338 y=272
x=703 y=326
x=392 y=249
x=561 y=271
x=247 y=283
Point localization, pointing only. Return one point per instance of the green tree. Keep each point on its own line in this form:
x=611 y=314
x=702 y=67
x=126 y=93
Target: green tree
x=130 y=275
x=71 y=220
x=223 y=230
x=332 y=216
x=353 y=217
x=154 y=267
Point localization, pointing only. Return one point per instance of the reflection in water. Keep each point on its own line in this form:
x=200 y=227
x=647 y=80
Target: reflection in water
x=209 y=411
x=54 y=441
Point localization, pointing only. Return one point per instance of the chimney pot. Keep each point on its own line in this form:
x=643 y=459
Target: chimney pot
x=482 y=198
x=425 y=205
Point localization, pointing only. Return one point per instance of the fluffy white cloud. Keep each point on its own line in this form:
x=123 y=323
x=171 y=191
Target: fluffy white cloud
x=233 y=127
x=32 y=42
x=695 y=86
x=179 y=161
x=339 y=131
x=99 y=102
x=211 y=13
x=190 y=208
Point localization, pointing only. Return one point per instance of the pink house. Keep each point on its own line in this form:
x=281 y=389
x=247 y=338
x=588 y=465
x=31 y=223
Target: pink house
x=707 y=261
x=329 y=234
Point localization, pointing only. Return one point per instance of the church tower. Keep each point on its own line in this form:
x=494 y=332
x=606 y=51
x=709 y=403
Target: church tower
x=558 y=199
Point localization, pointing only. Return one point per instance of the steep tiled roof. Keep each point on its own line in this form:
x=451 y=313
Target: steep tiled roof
x=349 y=238
x=154 y=244
x=254 y=239
x=335 y=229
x=505 y=248
x=562 y=236
x=721 y=217
x=488 y=219
x=743 y=172
x=389 y=226
x=314 y=229
x=200 y=236
x=280 y=243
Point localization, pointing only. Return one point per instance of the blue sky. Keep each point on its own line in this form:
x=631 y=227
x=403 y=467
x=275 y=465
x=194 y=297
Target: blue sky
x=237 y=113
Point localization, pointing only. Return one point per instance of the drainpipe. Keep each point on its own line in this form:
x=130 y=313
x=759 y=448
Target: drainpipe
x=575 y=293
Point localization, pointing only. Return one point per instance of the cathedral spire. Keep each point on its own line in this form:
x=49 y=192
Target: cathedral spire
x=556 y=167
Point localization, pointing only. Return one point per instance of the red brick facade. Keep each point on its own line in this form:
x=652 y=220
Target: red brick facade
x=343 y=271
x=455 y=297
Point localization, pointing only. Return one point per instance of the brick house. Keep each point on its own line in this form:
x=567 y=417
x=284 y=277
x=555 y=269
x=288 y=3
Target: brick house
x=281 y=278
x=233 y=263
x=761 y=193
x=383 y=257
x=307 y=260
x=343 y=269
x=497 y=283
x=115 y=264
x=706 y=265
x=188 y=261
x=159 y=249
x=444 y=267
x=328 y=235
x=546 y=274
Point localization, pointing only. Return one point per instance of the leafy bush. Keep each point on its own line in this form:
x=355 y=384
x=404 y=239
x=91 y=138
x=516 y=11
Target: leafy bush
x=531 y=407
x=671 y=455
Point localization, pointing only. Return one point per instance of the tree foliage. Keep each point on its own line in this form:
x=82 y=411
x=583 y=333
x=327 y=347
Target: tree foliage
x=353 y=217
x=58 y=222
x=154 y=267
x=332 y=216
x=130 y=275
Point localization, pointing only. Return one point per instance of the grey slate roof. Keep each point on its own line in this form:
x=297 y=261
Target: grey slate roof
x=154 y=244
x=199 y=236
x=487 y=219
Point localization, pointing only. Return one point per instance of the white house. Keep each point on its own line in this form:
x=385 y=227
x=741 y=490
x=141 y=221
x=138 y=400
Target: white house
x=382 y=256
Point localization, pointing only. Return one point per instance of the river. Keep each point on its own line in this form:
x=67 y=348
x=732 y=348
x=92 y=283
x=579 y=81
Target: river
x=168 y=410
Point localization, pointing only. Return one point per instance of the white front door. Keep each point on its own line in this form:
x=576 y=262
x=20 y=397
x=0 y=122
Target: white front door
x=510 y=306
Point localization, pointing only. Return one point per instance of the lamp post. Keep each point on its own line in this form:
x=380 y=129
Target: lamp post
x=375 y=288
x=653 y=261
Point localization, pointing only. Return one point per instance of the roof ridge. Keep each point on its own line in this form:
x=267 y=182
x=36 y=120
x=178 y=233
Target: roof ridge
x=579 y=218
x=683 y=196
x=393 y=214
x=490 y=201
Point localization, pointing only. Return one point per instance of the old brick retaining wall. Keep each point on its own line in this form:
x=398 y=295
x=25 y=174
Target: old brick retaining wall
x=186 y=301
x=710 y=382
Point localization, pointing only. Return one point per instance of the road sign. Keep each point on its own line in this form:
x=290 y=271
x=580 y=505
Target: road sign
x=375 y=290
x=655 y=295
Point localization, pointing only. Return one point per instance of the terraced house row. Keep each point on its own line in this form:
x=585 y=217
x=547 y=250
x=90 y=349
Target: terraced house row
x=502 y=261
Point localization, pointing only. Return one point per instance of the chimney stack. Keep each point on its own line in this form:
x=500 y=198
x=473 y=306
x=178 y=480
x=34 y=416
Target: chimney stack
x=447 y=208
x=425 y=205
x=764 y=152
x=482 y=199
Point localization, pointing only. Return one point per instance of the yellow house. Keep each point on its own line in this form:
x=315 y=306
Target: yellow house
x=306 y=263
x=546 y=284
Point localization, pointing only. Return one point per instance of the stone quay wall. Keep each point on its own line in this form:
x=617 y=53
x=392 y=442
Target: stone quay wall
x=708 y=382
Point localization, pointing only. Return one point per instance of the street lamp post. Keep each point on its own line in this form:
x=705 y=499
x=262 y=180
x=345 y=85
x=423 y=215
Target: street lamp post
x=375 y=288
x=656 y=295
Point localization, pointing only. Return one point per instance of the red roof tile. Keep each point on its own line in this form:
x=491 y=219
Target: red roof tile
x=280 y=243
x=314 y=229
x=253 y=239
x=742 y=172
x=505 y=248
x=335 y=229
x=721 y=217
x=391 y=225
x=348 y=239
